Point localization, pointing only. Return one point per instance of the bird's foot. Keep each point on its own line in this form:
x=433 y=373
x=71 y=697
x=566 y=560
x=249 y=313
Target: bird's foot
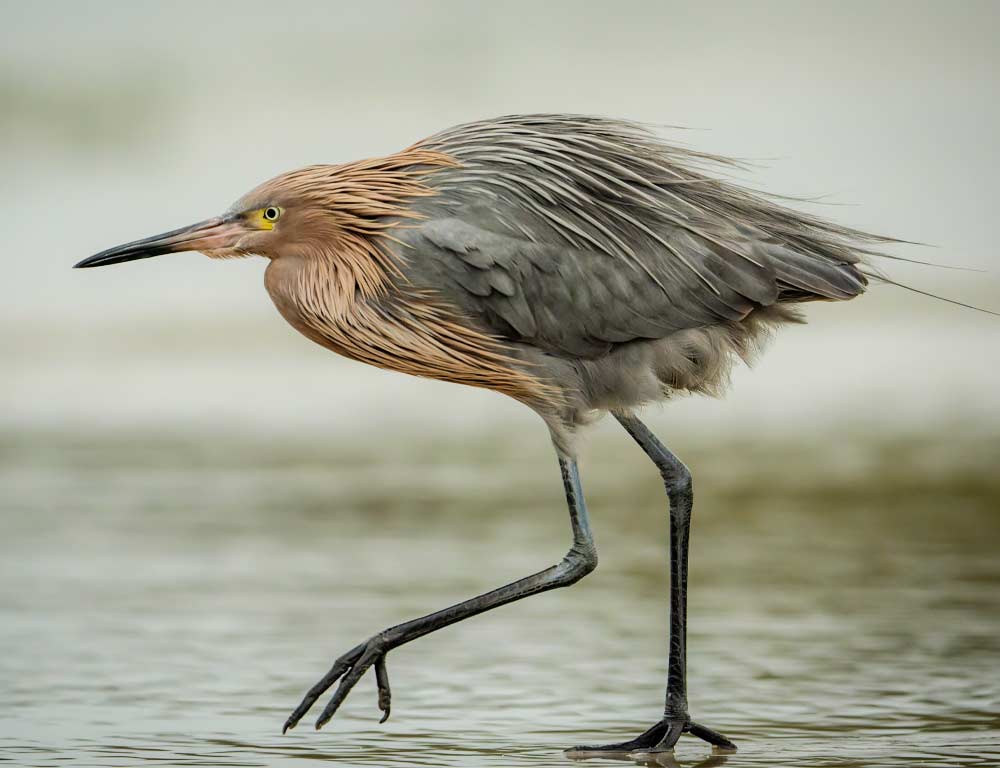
x=349 y=668
x=660 y=738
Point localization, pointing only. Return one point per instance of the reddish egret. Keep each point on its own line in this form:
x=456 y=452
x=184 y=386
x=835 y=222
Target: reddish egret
x=576 y=264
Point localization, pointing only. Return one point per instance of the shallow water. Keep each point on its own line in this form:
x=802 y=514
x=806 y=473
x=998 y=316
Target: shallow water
x=167 y=599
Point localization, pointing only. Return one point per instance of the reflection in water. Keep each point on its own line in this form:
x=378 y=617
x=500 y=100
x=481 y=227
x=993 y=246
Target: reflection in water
x=167 y=599
x=665 y=758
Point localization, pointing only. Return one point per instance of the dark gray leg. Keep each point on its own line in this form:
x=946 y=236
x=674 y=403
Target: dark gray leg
x=578 y=562
x=677 y=479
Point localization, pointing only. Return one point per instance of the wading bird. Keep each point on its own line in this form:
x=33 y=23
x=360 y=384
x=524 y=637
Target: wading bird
x=577 y=264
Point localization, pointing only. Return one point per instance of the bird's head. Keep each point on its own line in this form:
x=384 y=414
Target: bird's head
x=311 y=212
x=267 y=221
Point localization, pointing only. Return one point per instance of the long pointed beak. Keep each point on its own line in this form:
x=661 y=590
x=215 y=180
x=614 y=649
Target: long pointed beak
x=208 y=235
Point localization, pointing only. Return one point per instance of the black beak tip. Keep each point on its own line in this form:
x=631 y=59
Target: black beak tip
x=97 y=260
x=116 y=256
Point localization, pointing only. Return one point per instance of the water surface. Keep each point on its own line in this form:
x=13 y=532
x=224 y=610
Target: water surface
x=167 y=599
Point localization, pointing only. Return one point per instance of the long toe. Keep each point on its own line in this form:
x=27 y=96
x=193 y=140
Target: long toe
x=646 y=740
x=714 y=738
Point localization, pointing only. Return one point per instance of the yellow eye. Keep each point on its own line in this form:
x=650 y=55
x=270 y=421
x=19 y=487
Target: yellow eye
x=271 y=213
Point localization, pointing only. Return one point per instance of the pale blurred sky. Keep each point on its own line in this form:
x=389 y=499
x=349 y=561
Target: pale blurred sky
x=123 y=119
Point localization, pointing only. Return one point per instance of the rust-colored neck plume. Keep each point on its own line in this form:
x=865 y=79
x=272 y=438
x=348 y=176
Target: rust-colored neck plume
x=338 y=214
x=340 y=284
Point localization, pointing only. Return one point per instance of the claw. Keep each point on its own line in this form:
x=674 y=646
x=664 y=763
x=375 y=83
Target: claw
x=340 y=666
x=373 y=655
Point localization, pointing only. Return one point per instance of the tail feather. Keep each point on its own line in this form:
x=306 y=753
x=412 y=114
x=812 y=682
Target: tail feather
x=881 y=278
x=881 y=255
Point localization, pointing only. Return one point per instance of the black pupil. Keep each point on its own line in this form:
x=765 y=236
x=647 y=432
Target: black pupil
x=271 y=213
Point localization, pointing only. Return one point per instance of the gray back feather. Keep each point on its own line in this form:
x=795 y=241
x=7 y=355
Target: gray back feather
x=578 y=233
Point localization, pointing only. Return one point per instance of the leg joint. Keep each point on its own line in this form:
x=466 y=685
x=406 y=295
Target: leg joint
x=676 y=478
x=578 y=562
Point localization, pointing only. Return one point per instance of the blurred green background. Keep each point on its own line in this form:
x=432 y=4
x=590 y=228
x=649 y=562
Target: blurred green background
x=201 y=509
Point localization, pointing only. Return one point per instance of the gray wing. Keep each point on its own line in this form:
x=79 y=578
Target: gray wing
x=576 y=234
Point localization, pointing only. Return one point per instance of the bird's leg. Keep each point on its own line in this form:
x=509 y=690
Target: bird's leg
x=578 y=562
x=677 y=479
